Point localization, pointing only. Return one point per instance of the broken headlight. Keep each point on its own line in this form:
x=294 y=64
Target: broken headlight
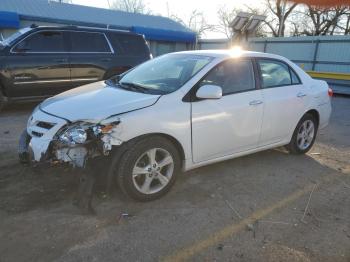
x=74 y=135
x=81 y=132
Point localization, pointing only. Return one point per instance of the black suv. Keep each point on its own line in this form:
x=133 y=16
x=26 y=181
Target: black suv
x=38 y=62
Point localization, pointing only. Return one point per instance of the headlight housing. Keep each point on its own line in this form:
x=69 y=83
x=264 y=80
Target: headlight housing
x=74 y=135
x=82 y=132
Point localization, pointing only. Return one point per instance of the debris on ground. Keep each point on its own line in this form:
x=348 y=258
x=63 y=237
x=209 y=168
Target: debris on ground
x=220 y=247
x=307 y=205
x=233 y=209
x=250 y=227
x=123 y=216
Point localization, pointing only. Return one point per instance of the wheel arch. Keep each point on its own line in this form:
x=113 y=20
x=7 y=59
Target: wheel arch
x=170 y=138
x=315 y=114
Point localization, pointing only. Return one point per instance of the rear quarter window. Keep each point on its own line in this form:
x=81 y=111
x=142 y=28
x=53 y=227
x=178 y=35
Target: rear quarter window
x=126 y=44
x=89 y=42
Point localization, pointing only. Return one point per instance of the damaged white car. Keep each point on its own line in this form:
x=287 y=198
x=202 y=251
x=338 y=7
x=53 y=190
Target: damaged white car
x=177 y=112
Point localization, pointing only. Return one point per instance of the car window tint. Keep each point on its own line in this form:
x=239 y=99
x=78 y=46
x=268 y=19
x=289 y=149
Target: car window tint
x=46 y=41
x=129 y=44
x=295 y=78
x=274 y=73
x=232 y=76
x=89 y=42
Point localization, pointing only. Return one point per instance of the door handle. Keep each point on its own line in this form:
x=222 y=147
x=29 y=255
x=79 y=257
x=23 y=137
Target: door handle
x=255 y=102
x=106 y=59
x=301 y=94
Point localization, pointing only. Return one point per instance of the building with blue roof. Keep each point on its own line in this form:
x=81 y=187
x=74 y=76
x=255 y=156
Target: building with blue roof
x=163 y=34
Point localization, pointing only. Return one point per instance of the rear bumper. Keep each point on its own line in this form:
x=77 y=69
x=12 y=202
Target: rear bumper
x=325 y=111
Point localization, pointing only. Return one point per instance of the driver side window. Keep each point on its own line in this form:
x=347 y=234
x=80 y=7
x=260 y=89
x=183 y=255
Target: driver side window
x=233 y=76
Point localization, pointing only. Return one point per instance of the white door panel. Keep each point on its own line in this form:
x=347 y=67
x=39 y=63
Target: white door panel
x=283 y=107
x=225 y=126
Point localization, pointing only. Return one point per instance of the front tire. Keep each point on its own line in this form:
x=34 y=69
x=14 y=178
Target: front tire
x=148 y=169
x=304 y=135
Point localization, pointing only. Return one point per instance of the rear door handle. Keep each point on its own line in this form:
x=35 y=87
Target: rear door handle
x=106 y=59
x=255 y=102
x=301 y=94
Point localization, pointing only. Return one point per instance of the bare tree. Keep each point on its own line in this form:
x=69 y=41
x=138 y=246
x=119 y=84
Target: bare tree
x=195 y=21
x=226 y=17
x=345 y=23
x=278 y=12
x=323 y=20
x=131 y=6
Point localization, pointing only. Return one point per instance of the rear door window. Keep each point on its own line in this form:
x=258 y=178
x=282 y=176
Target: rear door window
x=42 y=42
x=89 y=42
x=129 y=44
x=295 y=78
x=274 y=73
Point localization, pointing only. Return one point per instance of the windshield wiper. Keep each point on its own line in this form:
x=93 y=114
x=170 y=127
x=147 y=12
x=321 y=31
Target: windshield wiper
x=134 y=86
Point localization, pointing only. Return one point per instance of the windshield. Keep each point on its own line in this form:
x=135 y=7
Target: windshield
x=14 y=36
x=164 y=74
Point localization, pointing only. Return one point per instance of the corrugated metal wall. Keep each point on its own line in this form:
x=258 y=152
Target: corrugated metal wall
x=327 y=55
x=313 y=53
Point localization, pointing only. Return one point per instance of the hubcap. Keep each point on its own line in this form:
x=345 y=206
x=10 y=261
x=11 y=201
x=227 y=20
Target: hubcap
x=153 y=170
x=306 y=134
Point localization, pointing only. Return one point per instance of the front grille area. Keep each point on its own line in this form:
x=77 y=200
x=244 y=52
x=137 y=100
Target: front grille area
x=37 y=134
x=45 y=125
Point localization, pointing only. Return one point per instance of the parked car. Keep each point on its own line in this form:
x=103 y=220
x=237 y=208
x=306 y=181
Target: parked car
x=39 y=62
x=178 y=112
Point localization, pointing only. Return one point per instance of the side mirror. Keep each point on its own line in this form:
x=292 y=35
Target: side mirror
x=209 y=92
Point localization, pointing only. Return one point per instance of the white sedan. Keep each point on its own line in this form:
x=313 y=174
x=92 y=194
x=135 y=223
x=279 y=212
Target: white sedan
x=178 y=112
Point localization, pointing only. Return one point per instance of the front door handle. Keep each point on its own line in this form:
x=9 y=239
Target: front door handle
x=255 y=102
x=301 y=94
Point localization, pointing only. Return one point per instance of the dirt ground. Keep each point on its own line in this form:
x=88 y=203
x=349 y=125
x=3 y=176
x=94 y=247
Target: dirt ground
x=269 y=206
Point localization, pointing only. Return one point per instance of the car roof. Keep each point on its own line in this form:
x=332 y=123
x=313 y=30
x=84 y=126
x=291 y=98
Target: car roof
x=82 y=28
x=223 y=53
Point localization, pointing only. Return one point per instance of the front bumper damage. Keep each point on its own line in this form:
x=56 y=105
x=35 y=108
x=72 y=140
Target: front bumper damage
x=39 y=143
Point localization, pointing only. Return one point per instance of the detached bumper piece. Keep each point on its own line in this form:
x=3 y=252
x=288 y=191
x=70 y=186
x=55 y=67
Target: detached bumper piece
x=24 y=153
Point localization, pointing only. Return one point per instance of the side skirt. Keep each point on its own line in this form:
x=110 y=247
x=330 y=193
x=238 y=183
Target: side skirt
x=189 y=165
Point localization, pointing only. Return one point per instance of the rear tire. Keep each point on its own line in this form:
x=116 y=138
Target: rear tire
x=148 y=169
x=304 y=135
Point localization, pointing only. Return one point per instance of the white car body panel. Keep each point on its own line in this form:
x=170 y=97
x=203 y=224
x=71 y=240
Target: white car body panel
x=208 y=131
x=95 y=102
x=231 y=119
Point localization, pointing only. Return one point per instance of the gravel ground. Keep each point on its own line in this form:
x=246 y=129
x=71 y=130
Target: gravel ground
x=269 y=206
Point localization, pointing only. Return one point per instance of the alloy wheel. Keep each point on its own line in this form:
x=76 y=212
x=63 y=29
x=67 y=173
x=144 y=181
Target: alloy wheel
x=153 y=170
x=306 y=134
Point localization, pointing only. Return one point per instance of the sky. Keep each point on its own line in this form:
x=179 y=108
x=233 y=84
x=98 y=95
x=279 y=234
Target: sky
x=183 y=8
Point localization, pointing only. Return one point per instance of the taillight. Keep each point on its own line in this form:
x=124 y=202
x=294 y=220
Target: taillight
x=330 y=92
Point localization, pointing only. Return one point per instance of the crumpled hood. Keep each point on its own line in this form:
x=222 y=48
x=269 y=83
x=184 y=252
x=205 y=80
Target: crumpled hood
x=95 y=101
